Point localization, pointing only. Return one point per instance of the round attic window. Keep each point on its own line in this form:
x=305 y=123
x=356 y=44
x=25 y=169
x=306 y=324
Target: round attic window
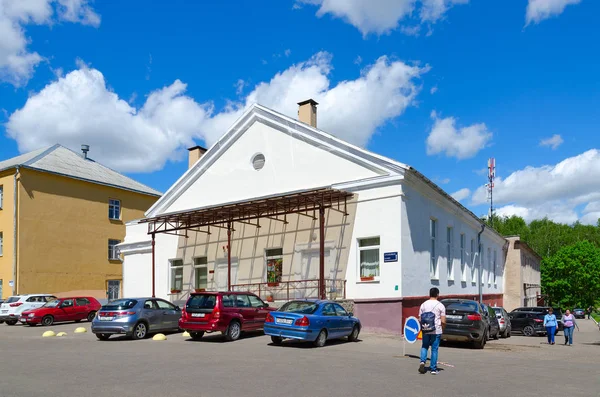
x=258 y=161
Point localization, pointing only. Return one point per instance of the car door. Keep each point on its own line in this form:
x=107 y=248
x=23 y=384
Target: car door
x=518 y=320
x=332 y=321
x=248 y=313
x=260 y=310
x=170 y=314
x=82 y=307
x=494 y=325
x=66 y=311
x=345 y=321
x=151 y=314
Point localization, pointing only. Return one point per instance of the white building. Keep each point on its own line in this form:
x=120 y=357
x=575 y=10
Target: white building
x=389 y=233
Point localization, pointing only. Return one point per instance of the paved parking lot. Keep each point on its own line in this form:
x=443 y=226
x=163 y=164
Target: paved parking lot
x=79 y=365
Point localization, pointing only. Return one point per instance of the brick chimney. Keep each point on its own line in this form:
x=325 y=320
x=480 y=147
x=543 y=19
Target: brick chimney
x=194 y=155
x=307 y=112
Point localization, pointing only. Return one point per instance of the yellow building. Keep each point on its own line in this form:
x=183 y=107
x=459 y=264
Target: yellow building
x=61 y=215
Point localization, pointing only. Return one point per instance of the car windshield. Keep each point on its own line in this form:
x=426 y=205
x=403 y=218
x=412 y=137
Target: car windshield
x=202 y=301
x=301 y=307
x=12 y=299
x=52 y=303
x=120 y=304
x=462 y=306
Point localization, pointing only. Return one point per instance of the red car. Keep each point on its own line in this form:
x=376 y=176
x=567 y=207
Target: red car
x=227 y=312
x=62 y=309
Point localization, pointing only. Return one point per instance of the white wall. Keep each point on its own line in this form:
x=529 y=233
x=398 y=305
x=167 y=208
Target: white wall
x=417 y=210
x=377 y=214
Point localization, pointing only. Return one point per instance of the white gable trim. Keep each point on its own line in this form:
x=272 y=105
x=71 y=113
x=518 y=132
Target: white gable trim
x=293 y=128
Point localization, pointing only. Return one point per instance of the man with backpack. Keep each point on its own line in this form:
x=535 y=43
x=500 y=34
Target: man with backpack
x=432 y=316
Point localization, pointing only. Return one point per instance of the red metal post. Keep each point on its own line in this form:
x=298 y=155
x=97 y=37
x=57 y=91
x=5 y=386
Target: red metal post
x=344 y=289
x=153 y=267
x=259 y=291
x=288 y=290
x=228 y=256
x=321 y=252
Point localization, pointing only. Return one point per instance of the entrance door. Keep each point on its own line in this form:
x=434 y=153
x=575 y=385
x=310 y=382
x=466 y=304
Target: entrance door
x=221 y=274
x=114 y=289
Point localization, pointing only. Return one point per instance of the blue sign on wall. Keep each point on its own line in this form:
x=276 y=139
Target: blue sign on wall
x=390 y=257
x=411 y=329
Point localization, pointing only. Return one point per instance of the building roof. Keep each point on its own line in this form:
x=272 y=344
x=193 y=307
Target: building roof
x=59 y=160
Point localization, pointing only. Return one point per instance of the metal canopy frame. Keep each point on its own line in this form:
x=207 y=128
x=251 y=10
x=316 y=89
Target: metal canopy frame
x=307 y=203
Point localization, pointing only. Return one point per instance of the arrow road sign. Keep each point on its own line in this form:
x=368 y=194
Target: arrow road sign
x=412 y=327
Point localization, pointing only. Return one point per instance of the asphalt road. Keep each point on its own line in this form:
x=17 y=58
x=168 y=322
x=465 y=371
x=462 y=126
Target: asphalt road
x=79 y=365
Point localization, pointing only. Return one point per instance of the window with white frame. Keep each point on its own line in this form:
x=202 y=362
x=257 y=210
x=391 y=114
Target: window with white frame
x=201 y=273
x=494 y=268
x=463 y=262
x=433 y=268
x=176 y=275
x=488 y=265
x=1 y=244
x=481 y=264
x=473 y=262
x=1 y=196
x=368 y=252
x=450 y=252
x=114 y=209
x=113 y=252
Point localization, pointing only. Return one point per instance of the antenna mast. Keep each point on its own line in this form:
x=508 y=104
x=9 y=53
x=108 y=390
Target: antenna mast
x=490 y=187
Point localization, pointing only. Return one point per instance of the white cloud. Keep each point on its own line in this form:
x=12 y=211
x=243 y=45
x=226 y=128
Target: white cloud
x=383 y=16
x=79 y=108
x=554 y=141
x=551 y=190
x=538 y=10
x=17 y=63
x=461 y=143
x=358 y=60
x=461 y=194
x=287 y=52
x=433 y=90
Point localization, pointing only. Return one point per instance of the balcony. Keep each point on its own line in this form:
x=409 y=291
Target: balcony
x=295 y=289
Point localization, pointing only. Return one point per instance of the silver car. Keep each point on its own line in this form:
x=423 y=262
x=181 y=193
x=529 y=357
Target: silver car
x=136 y=318
x=503 y=321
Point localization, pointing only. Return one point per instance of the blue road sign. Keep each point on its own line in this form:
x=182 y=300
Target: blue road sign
x=411 y=329
x=390 y=257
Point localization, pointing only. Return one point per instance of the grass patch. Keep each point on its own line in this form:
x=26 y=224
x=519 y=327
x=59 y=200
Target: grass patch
x=596 y=316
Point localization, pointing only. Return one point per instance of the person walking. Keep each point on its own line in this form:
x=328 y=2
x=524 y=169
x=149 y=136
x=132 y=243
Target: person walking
x=569 y=322
x=432 y=316
x=589 y=310
x=550 y=324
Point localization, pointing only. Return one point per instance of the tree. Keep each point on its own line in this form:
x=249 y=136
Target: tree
x=571 y=277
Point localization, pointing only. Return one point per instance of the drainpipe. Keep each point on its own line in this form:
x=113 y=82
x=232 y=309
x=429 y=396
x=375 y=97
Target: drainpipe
x=14 y=288
x=480 y=263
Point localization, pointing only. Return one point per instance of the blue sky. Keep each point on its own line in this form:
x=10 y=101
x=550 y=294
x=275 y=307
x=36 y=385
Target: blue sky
x=440 y=85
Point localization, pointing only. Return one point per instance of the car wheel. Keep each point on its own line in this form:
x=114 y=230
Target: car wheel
x=11 y=322
x=47 y=321
x=196 y=335
x=480 y=343
x=90 y=316
x=504 y=334
x=276 y=340
x=321 y=339
x=353 y=337
x=103 y=336
x=528 y=330
x=497 y=335
x=140 y=330
x=233 y=331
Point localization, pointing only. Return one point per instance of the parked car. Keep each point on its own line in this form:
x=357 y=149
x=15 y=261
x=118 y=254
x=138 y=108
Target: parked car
x=528 y=323
x=541 y=311
x=136 y=318
x=11 y=309
x=62 y=309
x=466 y=321
x=493 y=323
x=312 y=321
x=230 y=313
x=579 y=313
x=503 y=321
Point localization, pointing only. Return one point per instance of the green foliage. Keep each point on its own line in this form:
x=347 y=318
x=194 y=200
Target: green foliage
x=571 y=277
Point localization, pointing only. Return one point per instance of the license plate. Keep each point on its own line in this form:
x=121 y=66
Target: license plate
x=198 y=314
x=453 y=317
x=284 y=321
x=22 y=319
x=104 y=318
x=4 y=311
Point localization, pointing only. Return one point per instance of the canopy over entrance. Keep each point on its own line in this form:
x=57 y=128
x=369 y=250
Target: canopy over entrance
x=311 y=203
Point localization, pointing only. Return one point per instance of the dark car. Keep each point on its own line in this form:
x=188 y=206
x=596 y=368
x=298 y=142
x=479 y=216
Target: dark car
x=230 y=313
x=528 y=323
x=543 y=310
x=467 y=321
x=579 y=313
x=493 y=322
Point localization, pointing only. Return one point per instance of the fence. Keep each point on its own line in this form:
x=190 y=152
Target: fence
x=295 y=289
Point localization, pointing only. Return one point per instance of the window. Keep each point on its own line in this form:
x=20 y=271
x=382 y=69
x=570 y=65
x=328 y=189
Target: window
x=114 y=209
x=258 y=161
x=328 y=310
x=176 y=275
x=433 y=269
x=228 y=300
x=82 y=301
x=150 y=304
x=256 y=302
x=274 y=265
x=67 y=303
x=113 y=252
x=368 y=252
x=473 y=265
x=340 y=311
x=200 y=273
x=1 y=196
x=450 y=252
x=1 y=243
x=463 y=262
x=164 y=305
x=494 y=268
x=242 y=301
x=486 y=265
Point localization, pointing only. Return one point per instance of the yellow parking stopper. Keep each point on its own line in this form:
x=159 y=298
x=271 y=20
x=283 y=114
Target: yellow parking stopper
x=159 y=337
x=80 y=330
x=61 y=334
x=48 y=334
x=186 y=334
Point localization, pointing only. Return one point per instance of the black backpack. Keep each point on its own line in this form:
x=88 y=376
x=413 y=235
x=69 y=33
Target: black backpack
x=428 y=322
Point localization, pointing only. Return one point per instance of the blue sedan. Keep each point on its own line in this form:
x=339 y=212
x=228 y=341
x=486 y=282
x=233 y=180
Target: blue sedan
x=312 y=321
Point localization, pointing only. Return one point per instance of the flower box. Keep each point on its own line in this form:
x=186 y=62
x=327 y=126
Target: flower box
x=272 y=284
x=175 y=291
x=199 y=289
x=367 y=278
